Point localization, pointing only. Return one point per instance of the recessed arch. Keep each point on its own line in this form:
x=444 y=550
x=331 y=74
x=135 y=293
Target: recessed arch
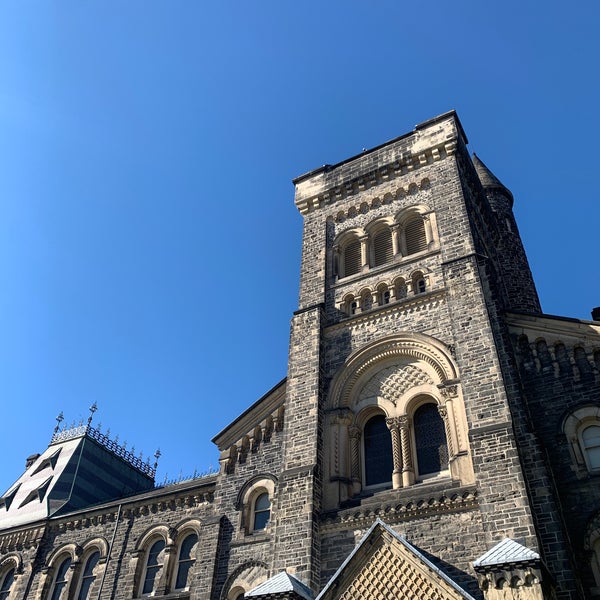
x=409 y=346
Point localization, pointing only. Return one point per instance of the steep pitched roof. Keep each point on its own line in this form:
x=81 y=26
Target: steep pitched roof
x=384 y=562
x=81 y=467
x=487 y=178
x=282 y=583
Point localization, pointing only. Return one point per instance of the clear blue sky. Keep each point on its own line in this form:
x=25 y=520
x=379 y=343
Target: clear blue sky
x=149 y=244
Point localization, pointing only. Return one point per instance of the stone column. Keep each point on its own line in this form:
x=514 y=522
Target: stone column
x=396 y=240
x=408 y=470
x=428 y=231
x=354 y=433
x=364 y=253
x=393 y=425
x=444 y=414
x=335 y=266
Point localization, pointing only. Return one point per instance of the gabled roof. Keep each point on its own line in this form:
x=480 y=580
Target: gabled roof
x=507 y=552
x=384 y=563
x=282 y=583
x=251 y=417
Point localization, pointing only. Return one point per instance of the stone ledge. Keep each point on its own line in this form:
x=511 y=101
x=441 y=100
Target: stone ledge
x=404 y=504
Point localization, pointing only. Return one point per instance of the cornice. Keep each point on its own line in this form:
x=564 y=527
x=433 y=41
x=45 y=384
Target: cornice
x=406 y=164
x=396 y=510
x=554 y=328
x=157 y=501
x=21 y=539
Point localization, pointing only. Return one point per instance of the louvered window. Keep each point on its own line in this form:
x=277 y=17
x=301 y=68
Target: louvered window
x=382 y=247
x=352 y=260
x=414 y=234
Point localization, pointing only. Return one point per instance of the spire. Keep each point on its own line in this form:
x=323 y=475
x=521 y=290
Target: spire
x=488 y=179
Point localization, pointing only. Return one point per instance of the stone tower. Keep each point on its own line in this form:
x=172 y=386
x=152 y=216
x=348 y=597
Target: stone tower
x=400 y=377
x=437 y=436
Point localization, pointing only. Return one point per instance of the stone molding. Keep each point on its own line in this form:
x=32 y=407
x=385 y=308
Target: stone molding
x=375 y=202
x=403 y=307
x=22 y=539
x=394 y=510
x=415 y=346
x=406 y=164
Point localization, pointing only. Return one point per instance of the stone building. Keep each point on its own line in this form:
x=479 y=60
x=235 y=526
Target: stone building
x=436 y=436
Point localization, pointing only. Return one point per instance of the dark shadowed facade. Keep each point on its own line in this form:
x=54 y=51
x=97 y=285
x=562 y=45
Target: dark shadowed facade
x=436 y=436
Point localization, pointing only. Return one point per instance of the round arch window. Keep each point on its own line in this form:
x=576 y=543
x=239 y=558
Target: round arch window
x=378 y=452
x=430 y=440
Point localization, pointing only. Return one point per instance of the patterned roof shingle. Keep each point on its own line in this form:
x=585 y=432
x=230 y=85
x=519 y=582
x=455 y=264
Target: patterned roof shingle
x=506 y=552
x=280 y=583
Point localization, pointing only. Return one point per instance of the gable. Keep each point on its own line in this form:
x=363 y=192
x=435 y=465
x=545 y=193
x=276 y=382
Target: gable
x=385 y=565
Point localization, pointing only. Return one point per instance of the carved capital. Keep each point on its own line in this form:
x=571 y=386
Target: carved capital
x=354 y=432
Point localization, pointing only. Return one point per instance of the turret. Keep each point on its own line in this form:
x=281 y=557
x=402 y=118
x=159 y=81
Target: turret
x=519 y=289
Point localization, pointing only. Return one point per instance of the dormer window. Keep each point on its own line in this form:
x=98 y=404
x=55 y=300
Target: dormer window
x=6 y=500
x=38 y=493
x=49 y=462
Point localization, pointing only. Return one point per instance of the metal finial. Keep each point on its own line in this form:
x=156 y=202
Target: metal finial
x=157 y=455
x=93 y=409
x=59 y=419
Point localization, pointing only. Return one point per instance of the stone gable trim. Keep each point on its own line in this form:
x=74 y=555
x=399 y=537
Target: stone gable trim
x=394 y=511
x=384 y=561
x=262 y=409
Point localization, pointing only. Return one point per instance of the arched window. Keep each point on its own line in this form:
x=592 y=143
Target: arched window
x=418 y=282
x=382 y=247
x=262 y=512
x=430 y=440
x=400 y=289
x=6 y=583
x=186 y=560
x=88 y=577
x=590 y=444
x=384 y=296
x=378 y=452
x=366 y=301
x=350 y=305
x=414 y=235
x=60 y=580
x=582 y=428
x=154 y=564
x=352 y=258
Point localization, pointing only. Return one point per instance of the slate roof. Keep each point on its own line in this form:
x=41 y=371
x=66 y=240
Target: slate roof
x=279 y=584
x=506 y=552
x=487 y=178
